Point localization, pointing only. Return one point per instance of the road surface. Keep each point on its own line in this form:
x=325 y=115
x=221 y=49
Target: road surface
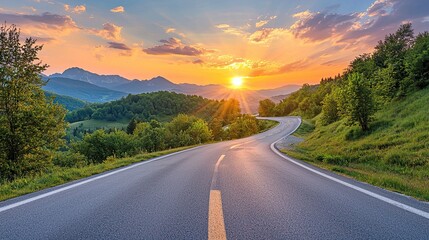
x=239 y=189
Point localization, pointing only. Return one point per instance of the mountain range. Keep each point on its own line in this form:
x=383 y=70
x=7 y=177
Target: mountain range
x=91 y=87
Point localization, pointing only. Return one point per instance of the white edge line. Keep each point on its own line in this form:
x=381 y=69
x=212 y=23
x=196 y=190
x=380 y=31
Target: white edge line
x=369 y=193
x=32 y=199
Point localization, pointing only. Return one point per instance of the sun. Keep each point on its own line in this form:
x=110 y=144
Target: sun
x=237 y=82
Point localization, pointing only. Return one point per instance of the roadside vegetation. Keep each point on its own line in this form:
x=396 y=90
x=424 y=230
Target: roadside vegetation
x=370 y=122
x=57 y=175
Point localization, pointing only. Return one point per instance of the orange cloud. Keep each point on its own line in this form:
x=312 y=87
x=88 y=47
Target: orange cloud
x=264 y=22
x=118 y=9
x=77 y=9
x=45 y=27
x=266 y=34
x=174 y=46
x=110 y=31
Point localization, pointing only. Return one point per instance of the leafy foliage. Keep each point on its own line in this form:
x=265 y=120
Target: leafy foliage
x=30 y=127
x=356 y=101
x=398 y=66
x=266 y=108
x=244 y=126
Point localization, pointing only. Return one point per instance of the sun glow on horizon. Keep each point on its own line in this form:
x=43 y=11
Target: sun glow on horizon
x=237 y=82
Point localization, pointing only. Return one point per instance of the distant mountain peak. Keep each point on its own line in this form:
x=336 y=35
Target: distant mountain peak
x=160 y=79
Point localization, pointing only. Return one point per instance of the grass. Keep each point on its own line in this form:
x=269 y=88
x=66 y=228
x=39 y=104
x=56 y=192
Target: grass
x=57 y=175
x=394 y=154
x=266 y=125
x=93 y=124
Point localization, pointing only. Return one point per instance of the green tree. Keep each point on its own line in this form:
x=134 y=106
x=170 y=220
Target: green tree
x=266 y=108
x=30 y=127
x=132 y=125
x=216 y=128
x=356 y=102
x=391 y=52
x=100 y=145
x=417 y=61
x=243 y=126
x=200 y=132
x=330 y=112
x=151 y=136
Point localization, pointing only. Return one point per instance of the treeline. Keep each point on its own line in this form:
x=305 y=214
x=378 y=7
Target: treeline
x=141 y=137
x=158 y=105
x=398 y=66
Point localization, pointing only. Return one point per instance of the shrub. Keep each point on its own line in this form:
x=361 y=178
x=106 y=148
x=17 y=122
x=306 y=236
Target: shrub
x=69 y=159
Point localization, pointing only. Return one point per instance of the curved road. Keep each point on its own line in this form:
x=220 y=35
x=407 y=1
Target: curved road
x=239 y=189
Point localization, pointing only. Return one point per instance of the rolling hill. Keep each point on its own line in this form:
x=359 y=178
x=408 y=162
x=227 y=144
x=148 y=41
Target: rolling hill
x=101 y=84
x=81 y=90
x=69 y=103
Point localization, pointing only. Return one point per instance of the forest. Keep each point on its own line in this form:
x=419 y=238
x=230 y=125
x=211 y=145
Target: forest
x=398 y=67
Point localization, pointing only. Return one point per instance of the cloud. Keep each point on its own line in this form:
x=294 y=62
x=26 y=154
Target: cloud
x=77 y=9
x=266 y=69
x=46 y=20
x=264 y=22
x=120 y=46
x=174 y=46
x=363 y=28
x=378 y=8
x=198 y=61
x=221 y=26
x=173 y=30
x=118 y=9
x=110 y=31
x=33 y=9
x=45 y=27
x=170 y=30
x=385 y=16
x=261 y=23
x=266 y=34
x=320 y=26
x=226 y=28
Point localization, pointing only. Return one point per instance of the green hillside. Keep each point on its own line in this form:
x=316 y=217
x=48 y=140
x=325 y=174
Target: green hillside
x=162 y=106
x=394 y=154
x=69 y=103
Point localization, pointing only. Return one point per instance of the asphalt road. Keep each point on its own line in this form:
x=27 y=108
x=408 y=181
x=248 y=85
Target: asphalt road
x=238 y=189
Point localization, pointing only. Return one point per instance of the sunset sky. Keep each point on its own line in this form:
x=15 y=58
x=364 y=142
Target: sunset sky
x=269 y=42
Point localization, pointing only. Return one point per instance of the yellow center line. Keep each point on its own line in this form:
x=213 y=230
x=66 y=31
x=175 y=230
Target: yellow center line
x=216 y=223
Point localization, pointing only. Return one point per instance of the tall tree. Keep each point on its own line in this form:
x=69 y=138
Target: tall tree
x=30 y=126
x=266 y=108
x=356 y=101
x=330 y=109
x=417 y=61
x=391 y=52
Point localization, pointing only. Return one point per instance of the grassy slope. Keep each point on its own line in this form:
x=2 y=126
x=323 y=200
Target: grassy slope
x=393 y=155
x=93 y=124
